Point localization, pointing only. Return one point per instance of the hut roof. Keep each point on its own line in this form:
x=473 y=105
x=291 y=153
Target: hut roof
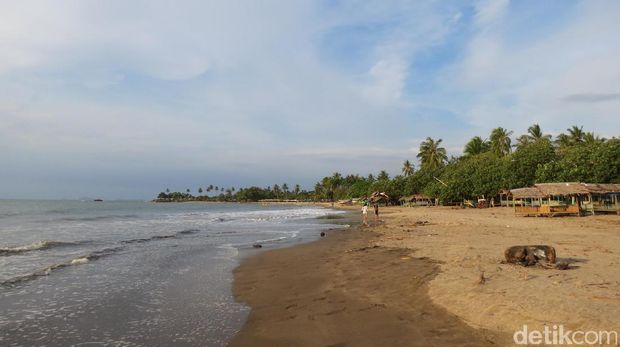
x=602 y=188
x=563 y=188
x=543 y=190
x=528 y=192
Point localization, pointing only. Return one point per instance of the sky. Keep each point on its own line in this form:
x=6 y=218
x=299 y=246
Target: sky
x=123 y=99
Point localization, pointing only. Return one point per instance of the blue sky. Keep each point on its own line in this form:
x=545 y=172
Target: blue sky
x=122 y=99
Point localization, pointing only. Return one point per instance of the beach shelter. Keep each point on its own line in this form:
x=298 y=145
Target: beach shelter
x=603 y=197
x=549 y=199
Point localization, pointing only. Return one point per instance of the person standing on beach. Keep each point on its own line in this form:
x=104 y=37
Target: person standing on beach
x=365 y=213
x=376 y=207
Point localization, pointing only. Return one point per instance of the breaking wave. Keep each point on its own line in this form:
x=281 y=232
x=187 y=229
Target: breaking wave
x=83 y=259
x=35 y=246
x=274 y=215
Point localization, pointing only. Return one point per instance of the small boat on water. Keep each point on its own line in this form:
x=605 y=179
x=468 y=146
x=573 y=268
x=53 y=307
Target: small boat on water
x=98 y=200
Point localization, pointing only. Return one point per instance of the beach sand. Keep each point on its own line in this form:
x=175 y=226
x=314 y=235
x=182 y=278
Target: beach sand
x=406 y=284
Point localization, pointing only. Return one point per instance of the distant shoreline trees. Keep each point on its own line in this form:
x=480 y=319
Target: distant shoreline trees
x=484 y=168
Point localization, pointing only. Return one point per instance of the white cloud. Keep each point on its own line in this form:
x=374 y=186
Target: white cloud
x=387 y=80
x=490 y=12
x=228 y=87
x=518 y=78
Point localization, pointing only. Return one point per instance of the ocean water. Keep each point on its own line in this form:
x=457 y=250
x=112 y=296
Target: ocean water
x=82 y=273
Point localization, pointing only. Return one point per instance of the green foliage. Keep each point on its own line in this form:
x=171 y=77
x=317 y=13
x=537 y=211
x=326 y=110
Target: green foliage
x=597 y=162
x=469 y=177
x=525 y=161
x=476 y=146
x=407 y=168
x=500 y=141
x=431 y=155
x=484 y=169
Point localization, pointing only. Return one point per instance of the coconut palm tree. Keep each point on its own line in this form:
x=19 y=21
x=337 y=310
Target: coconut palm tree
x=576 y=134
x=199 y=190
x=524 y=140
x=500 y=141
x=563 y=140
x=476 y=146
x=431 y=155
x=297 y=189
x=535 y=133
x=407 y=168
x=590 y=138
x=383 y=176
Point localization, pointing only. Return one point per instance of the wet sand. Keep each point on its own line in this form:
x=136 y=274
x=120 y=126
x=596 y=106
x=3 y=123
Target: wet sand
x=344 y=290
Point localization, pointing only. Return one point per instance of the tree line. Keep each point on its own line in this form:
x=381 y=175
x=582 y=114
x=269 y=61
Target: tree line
x=486 y=166
x=221 y=194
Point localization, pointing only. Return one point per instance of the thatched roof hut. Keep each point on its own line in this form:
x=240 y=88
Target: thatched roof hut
x=602 y=188
x=527 y=193
x=564 y=188
x=574 y=197
x=544 y=190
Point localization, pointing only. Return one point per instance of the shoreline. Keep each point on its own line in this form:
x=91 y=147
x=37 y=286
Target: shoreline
x=345 y=290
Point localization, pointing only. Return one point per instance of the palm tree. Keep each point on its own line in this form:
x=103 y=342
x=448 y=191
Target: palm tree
x=336 y=179
x=318 y=190
x=431 y=155
x=524 y=140
x=563 y=140
x=407 y=168
x=167 y=190
x=371 y=178
x=199 y=190
x=476 y=146
x=500 y=141
x=383 y=176
x=297 y=189
x=576 y=134
x=535 y=133
x=590 y=138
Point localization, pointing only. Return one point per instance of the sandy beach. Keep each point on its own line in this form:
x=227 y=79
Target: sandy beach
x=415 y=280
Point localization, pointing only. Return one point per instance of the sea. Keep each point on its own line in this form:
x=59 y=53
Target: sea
x=135 y=273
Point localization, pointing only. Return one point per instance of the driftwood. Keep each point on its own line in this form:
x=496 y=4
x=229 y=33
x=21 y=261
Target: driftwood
x=530 y=255
x=378 y=196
